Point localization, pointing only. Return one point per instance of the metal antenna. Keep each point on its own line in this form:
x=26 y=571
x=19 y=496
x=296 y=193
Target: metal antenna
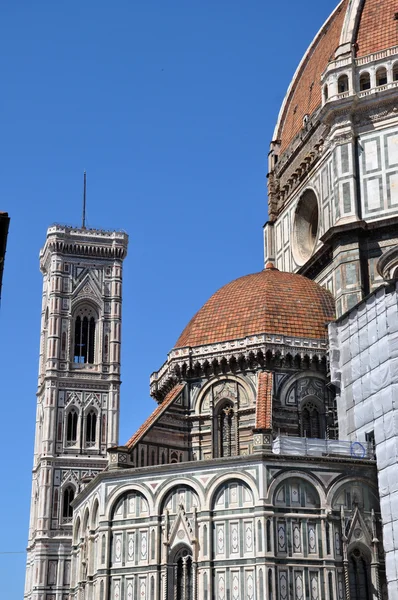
x=84 y=201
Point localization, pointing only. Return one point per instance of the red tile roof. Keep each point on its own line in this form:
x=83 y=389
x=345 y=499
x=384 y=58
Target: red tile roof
x=271 y=302
x=378 y=28
x=305 y=94
x=151 y=420
x=264 y=400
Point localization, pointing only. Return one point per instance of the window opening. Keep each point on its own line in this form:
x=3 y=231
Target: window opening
x=182 y=579
x=67 y=510
x=84 y=339
x=227 y=430
x=359 y=576
x=395 y=72
x=342 y=84
x=310 y=421
x=91 y=428
x=71 y=428
x=381 y=76
x=364 y=82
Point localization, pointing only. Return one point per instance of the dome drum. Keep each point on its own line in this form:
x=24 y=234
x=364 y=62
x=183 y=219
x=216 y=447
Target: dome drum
x=252 y=321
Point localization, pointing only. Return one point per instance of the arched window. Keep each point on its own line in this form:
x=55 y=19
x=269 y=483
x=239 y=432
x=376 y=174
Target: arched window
x=325 y=93
x=84 y=340
x=91 y=428
x=227 y=430
x=71 y=427
x=364 y=81
x=311 y=425
x=181 y=580
x=381 y=76
x=358 y=571
x=67 y=510
x=342 y=84
x=395 y=72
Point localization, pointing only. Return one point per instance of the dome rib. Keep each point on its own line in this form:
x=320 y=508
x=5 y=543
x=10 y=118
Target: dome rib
x=271 y=301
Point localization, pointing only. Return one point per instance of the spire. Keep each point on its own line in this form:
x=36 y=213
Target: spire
x=84 y=201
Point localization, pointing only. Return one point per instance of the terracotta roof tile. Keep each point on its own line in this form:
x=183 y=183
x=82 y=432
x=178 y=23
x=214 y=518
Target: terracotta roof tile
x=271 y=302
x=378 y=28
x=264 y=400
x=305 y=94
x=151 y=420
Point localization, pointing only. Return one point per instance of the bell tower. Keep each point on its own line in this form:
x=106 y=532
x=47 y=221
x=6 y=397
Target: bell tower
x=78 y=393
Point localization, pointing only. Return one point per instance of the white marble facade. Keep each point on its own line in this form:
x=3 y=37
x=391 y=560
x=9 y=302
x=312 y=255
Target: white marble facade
x=250 y=528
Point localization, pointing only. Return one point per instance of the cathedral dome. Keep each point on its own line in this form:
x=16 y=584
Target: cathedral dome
x=366 y=26
x=272 y=302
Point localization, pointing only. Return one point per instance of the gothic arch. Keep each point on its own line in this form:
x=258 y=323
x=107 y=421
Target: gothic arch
x=68 y=494
x=166 y=487
x=312 y=417
x=116 y=495
x=86 y=519
x=312 y=479
x=123 y=501
x=95 y=514
x=85 y=332
x=76 y=531
x=229 y=478
x=359 y=572
x=181 y=573
x=72 y=425
x=245 y=383
x=298 y=502
x=336 y=488
x=91 y=422
x=288 y=384
x=175 y=485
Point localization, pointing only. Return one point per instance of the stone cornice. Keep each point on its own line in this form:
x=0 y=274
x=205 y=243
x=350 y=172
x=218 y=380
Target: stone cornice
x=241 y=352
x=239 y=462
x=90 y=243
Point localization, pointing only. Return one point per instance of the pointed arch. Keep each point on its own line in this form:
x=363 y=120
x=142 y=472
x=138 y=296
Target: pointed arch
x=95 y=514
x=91 y=427
x=85 y=321
x=71 y=425
x=68 y=496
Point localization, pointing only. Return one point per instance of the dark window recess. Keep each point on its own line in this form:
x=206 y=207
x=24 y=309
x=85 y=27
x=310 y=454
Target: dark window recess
x=67 y=510
x=358 y=572
x=84 y=340
x=71 y=426
x=310 y=421
x=91 y=427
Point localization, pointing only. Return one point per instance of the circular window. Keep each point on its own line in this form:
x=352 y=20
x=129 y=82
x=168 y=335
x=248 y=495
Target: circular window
x=305 y=231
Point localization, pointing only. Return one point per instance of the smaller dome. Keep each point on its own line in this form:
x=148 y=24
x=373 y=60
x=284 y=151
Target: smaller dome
x=271 y=301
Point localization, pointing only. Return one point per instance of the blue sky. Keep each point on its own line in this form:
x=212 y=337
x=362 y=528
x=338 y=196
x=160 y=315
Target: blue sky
x=169 y=106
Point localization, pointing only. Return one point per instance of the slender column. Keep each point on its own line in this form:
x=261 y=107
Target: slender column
x=175 y=582
x=194 y=580
x=184 y=578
